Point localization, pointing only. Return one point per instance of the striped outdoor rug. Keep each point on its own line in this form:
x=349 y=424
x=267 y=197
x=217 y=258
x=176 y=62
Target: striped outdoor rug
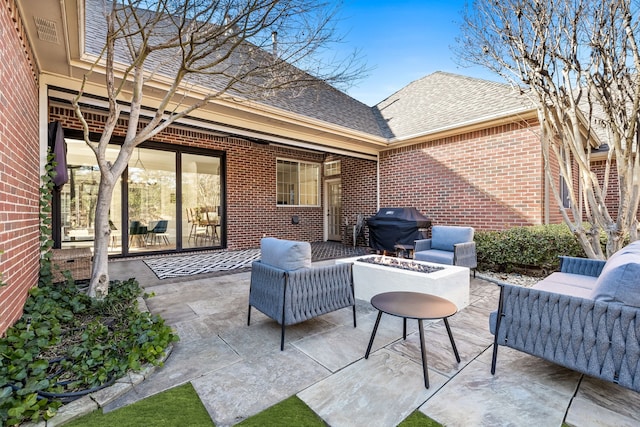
x=188 y=265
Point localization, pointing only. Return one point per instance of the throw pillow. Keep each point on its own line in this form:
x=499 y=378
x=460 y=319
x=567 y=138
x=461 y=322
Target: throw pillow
x=620 y=278
x=285 y=254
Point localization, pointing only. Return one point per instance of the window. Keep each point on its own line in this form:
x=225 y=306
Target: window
x=297 y=183
x=332 y=168
x=564 y=193
x=564 y=186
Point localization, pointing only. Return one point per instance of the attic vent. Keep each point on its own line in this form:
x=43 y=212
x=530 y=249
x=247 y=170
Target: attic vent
x=46 y=30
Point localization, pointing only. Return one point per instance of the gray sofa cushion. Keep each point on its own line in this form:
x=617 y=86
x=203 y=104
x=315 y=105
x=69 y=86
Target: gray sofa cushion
x=620 y=277
x=564 y=289
x=285 y=254
x=443 y=237
x=579 y=280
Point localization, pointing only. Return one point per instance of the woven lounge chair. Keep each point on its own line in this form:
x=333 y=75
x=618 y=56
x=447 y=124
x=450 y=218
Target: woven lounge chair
x=286 y=288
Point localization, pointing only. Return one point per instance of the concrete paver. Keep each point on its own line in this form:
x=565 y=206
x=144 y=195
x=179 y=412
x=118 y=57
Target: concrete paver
x=239 y=370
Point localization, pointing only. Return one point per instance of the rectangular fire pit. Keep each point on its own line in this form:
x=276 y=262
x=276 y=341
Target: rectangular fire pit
x=396 y=274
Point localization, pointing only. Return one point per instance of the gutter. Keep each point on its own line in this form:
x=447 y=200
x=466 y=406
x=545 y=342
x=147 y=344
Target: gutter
x=460 y=127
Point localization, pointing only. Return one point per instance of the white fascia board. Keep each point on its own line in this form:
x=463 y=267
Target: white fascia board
x=463 y=125
x=162 y=83
x=225 y=129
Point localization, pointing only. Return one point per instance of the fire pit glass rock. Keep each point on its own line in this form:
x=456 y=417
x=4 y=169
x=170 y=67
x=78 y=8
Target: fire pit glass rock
x=401 y=264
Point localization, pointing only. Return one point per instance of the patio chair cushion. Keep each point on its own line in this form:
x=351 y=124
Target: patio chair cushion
x=618 y=281
x=285 y=254
x=444 y=237
x=435 y=255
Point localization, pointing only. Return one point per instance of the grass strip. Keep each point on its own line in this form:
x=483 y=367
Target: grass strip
x=418 y=419
x=289 y=412
x=182 y=406
x=175 y=407
x=294 y=412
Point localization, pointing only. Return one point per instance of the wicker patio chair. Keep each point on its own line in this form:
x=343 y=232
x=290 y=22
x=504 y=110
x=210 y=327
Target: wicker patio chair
x=287 y=289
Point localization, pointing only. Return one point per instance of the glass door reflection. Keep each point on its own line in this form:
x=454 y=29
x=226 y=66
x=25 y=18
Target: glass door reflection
x=151 y=201
x=201 y=195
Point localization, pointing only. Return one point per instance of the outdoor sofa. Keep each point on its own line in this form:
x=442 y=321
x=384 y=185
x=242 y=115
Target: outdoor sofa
x=286 y=288
x=585 y=317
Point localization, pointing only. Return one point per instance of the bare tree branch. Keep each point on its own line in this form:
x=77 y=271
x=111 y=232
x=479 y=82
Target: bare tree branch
x=579 y=61
x=201 y=50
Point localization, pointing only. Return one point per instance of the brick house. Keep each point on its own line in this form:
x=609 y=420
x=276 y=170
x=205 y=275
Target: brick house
x=20 y=159
x=461 y=150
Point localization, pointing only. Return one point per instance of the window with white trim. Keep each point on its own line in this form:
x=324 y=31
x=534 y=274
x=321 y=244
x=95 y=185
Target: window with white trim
x=564 y=185
x=297 y=183
x=332 y=168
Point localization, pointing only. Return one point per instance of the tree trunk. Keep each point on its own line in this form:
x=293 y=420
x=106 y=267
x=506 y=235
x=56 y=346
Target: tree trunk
x=99 y=285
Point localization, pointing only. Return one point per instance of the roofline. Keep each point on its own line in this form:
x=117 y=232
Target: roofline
x=463 y=127
x=160 y=82
x=65 y=94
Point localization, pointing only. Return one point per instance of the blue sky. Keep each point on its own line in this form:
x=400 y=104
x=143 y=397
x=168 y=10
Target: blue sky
x=402 y=41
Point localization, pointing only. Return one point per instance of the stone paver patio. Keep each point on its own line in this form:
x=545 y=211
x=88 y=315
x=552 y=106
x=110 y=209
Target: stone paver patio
x=238 y=370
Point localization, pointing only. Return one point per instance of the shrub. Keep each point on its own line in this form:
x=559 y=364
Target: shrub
x=532 y=248
x=66 y=342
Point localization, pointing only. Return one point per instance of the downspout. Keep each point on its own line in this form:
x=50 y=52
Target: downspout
x=546 y=185
x=546 y=199
x=43 y=123
x=378 y=182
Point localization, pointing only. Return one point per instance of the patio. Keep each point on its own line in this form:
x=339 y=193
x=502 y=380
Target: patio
x=238 y=370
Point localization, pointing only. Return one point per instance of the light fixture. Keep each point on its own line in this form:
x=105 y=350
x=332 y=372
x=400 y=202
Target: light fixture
x=139 y=175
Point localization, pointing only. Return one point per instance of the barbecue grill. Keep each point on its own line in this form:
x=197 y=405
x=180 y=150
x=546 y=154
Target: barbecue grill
x=391 y=226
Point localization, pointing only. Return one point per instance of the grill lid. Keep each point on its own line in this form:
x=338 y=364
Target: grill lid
x=391 y=226
x=402 y=215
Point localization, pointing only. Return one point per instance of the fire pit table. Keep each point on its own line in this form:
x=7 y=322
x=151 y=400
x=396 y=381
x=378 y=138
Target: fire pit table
x=375 y=274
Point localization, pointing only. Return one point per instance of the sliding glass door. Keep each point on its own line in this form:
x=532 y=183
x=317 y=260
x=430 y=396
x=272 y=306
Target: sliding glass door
x=201 y=201
x=78 y=198
x=171 y=200
x=152 y=200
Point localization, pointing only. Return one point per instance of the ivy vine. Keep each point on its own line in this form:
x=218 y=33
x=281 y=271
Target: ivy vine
x=67 y=343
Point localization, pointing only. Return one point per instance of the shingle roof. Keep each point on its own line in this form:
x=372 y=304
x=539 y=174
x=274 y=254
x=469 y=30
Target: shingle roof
x=318 y=101
x=326 y=103
x=444 y=100
x=439 y=100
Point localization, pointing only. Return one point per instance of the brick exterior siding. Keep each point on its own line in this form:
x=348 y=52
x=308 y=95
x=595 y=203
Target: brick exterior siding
x=612 y=200
x=358 y=194
x=251 y=182
x=19 y=167
x=490 y=179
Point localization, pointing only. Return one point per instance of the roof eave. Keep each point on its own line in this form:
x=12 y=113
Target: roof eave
x=464 y=127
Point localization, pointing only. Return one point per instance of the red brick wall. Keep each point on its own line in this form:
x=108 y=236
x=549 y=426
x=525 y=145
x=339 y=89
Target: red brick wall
x=19 y=167
x=251 y=183
x=611 y=197
x=358 y=192
x=490 y=179
x=612 y=200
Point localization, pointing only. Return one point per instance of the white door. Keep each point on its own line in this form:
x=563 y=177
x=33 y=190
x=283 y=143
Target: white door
x=334 y=209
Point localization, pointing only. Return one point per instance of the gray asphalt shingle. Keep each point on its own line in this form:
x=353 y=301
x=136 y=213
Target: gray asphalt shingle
x=439 y=100
x=444 y=100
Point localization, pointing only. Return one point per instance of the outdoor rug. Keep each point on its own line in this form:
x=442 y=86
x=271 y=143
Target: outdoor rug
x=188 y=265
x=168 y=267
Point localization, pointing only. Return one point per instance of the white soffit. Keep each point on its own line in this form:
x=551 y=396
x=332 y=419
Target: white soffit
x=220 y=127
